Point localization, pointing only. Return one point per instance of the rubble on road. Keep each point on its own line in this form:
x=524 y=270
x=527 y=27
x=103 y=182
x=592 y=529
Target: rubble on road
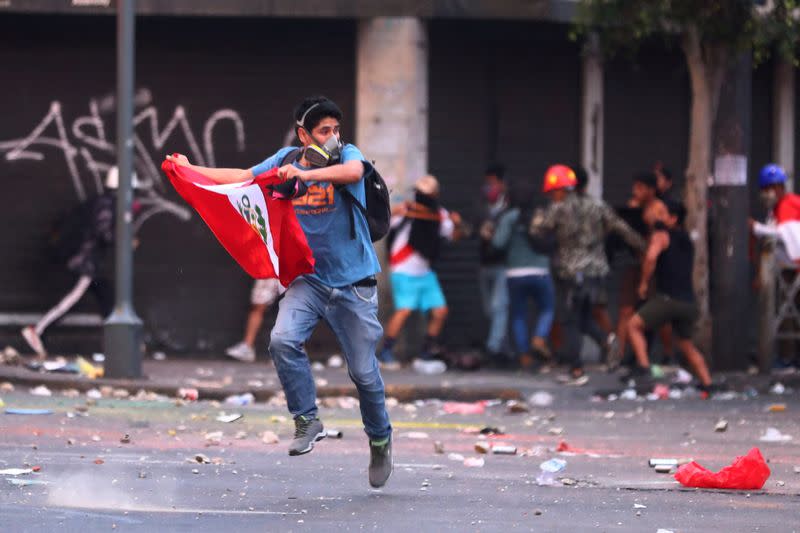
x=269 y=437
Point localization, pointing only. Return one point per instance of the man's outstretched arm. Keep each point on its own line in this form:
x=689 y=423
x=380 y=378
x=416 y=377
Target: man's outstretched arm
x=219 y=175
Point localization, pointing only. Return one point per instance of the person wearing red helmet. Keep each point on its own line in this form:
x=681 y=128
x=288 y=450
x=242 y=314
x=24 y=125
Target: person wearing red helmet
x=579 y=224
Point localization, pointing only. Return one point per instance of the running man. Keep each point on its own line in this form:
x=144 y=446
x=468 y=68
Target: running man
x=342 y=291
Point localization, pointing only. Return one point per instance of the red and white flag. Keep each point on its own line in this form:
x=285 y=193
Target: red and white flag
x=262 y=234
x=787 y=216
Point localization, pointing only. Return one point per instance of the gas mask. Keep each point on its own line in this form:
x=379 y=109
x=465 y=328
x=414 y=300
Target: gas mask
x=325 y=155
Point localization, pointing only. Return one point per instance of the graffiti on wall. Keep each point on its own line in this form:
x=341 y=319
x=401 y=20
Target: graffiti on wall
x=82 y=152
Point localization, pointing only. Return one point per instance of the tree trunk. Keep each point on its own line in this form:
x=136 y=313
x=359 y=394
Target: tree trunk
x=698 y=173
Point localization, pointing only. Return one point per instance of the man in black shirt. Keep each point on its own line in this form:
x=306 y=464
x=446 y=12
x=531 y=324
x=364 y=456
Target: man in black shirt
x=668 y=260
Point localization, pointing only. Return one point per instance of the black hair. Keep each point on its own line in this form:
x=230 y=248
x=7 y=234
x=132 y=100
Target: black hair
x=581 y=176
x=676 y=209
x=496 y=169
x=325 y=108
x=667 y=173
x=646 y=178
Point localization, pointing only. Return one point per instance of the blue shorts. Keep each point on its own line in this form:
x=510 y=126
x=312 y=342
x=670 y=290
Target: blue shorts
x=418 y=293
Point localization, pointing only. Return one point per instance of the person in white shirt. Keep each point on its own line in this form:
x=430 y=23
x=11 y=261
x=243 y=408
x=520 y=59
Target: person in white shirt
x=418 y=229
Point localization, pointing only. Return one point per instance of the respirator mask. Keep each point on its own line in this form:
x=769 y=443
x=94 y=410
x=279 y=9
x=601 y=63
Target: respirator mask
x=321 y=155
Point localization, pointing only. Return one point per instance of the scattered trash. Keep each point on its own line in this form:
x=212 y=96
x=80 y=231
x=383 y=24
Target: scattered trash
x=202 y=459
x=41 y=390
x=682 y=377
x=563 y=447
x=541 y=399
x=333 y=434
x=608 y=415
x=748 y=472
x=120 y=394
x=628 y=394
x=661 y=530
x=778 y=388
x=474 y=462
x=455 y=457
x=214 y=438
x=418 y=435
x=438 y=447
x=14 y=411
x=195 y=471
x=796 y=469
x=504 y=450
x=26 y=482
x=489 y=430
x=569 y=482
x=98 y=357
x=94 y=394
x=6 y=387
x=240 y=400
x=639 y=506
x=190 y=395
x=125 y=439
x=663 y=469
x=464 y=408
x=316 y=366
x=228 y=418
x=482 y=446
x=774 y=435
x=240 y=435
x=10 y=356
x=159 y=356
x=269 y=437
x=721 y=427
x=321 y=382
x=87 y=369
x=548 y=470
x=70 y=393
x=335 y=361
x=555 y=431
x=661 y=391
x=538 y=512
x=516 y=407
x=98 y=461
x=776 y=408
x=16 y=471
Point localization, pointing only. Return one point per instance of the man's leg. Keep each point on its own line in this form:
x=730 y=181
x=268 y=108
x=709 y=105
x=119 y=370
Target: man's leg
x=32 y=335
x=519 y=318
x=353 y=317
x=254 y=320
x=298 y=314
x=498 y=312
x=544 y=294
x=696 y=361
x=570 y=308
x=638 y=341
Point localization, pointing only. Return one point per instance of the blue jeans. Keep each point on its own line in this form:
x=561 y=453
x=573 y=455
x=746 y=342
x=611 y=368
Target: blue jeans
x=352 y=314
x=523 y=289
x=494 y=297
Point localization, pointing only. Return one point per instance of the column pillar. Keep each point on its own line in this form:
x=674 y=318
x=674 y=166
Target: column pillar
x=592 y=116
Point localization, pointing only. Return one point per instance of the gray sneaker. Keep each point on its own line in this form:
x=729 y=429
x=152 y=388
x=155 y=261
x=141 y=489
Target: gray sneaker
x=307 y=431
x=380 y=463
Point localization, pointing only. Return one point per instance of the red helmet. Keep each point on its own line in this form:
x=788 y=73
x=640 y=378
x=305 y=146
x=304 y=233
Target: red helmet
x=559 y=177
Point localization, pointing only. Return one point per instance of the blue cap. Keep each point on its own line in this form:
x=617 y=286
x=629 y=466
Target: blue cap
x=771 y=174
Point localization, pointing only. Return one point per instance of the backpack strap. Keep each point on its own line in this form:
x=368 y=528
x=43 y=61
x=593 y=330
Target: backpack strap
x=291 y=156
x=353 y=201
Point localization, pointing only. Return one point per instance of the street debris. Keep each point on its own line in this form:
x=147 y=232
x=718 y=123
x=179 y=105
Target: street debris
x=438 y=447
x=41 y=390
x=474 y=462
x=416 y=435
x=6 y=387
x=159 y=356
x=455 y=457
x=565 y=448
x=16 y=471
x=240 y=435
x=721 y=426
x=321 y=382
x=482 y=446
x=776 y=408
x=639 y=506
x=240 y=400
x=214 y=438
x=537 y=512
x=548 y=470
x=269 y=437
x=555 y=431
x=504 y=450
x=85 y=368
x=517 y=407
x=335 y=361
x=569 y=482
x=489 y=430
x=464 y=408
x=200 y=458
x=228 y=418
x=774 y=435
x=188 y=394
x=541 y=399
x=777 y=388
x=333 y=434
x=748 y=472
x=98 y=461
x=316 y=366
x=26 y=482
x=10 y=356
x=94 y=394
x=125 y=439
x=796 y=469
x=663 y=469
x=14 y=411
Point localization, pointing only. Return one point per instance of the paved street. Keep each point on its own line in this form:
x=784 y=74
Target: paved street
x=95 y=482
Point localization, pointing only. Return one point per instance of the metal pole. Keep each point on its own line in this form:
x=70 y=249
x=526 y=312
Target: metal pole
x=729 y=234
x=122 y=332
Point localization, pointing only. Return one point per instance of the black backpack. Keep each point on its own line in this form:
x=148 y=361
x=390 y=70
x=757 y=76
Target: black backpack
x=378 y=209
x=68 y=231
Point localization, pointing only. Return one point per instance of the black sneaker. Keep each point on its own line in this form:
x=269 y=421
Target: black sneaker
x=307 y=431
x=380 y=463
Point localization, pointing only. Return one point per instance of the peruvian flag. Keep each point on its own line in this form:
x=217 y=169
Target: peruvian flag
x=261 y=233
x=787 y=216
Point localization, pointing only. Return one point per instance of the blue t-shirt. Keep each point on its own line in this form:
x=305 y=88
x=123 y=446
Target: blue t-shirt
x=325 y=219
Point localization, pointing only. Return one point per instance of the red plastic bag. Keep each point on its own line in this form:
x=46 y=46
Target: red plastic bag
x=748 y=472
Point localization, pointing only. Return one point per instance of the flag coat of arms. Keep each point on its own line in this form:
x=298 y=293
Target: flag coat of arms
x=262 y=234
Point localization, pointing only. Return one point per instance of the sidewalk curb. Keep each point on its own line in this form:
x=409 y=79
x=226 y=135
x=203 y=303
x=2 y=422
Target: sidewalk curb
x=403 y=392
